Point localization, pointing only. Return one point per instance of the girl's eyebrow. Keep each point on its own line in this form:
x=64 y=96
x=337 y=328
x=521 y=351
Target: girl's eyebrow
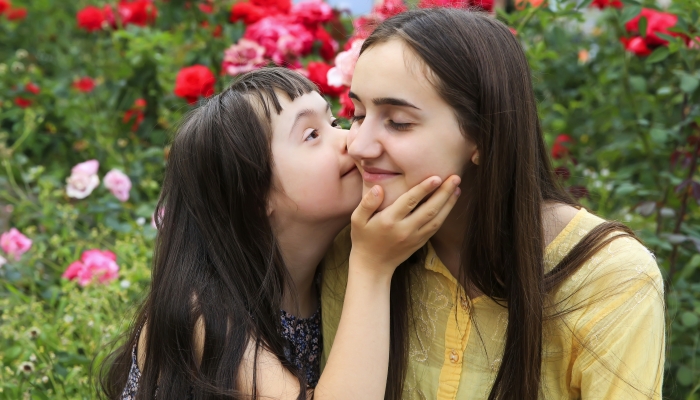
x=306 y=112
x=382 y=101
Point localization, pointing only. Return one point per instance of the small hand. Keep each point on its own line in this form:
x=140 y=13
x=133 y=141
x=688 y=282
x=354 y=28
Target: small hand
x=382 y=241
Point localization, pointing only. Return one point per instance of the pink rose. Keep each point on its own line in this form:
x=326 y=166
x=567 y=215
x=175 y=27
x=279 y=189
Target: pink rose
x=118 y=183
x=312 y=12
x=14 y=243
x=283 y=39
x=88 y=167
x=83 y=179
x=341 y=74
x=244 y=56
x=93 y=264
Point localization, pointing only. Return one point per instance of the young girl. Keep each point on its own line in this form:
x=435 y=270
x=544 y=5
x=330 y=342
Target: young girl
x=257 y=185
x=521 y=294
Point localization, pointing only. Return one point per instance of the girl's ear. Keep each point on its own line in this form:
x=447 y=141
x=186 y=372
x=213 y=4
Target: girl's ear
x=475 y=157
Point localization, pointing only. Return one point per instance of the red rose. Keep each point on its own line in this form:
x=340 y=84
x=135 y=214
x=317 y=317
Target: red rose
x=217 y=32
x=347 y=109
x=135 y=113
x=4 y=6
x=389 y=8
x=32 y=88
x=486 y=5
x=137 y=12
x=559 y=150
x=194 y=82
x=562 y=172
x=318 y=74
x=606 y=3
x=206 y=8
x=657 y=22
x=16 y=14
x=84 y=84
x=578 y=191
x=282 y=6
x=22 y=102
x=91 y=18
x=329 y=47
x=636 y=45
x=247 y=12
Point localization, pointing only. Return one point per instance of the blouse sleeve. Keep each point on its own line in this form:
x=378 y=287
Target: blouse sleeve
x=619 y=337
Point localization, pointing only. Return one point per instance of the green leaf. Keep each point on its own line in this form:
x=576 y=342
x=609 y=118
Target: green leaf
x=684 y=376
x=689 y=319
x=658 y=135
x=659 y=54
x=689 y=83
x=630 y=12
x=643 y=26
x=584 y=4
x=638 y=83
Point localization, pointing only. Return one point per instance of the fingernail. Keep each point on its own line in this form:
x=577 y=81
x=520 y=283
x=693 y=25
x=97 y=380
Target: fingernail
x=435 y=182
x=458 y=191
x=375 y=191
x=457 y=181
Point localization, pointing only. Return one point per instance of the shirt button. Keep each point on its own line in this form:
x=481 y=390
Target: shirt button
x=454 y=356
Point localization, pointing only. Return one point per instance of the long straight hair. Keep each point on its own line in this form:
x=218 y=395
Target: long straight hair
x=216 y=259
x=478 y=67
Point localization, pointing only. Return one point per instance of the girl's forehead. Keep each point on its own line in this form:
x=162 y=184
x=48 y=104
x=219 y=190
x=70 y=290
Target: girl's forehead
x=392 y=70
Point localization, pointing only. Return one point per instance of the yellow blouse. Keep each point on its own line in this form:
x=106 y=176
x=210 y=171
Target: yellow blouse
x=610 y=347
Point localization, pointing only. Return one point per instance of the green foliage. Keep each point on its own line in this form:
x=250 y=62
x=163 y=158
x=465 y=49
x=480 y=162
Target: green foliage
x=633 y=120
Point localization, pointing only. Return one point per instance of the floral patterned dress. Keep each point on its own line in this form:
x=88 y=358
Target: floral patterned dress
x=304 y=350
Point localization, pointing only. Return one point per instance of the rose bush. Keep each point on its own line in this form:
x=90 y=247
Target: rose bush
x=90 y=92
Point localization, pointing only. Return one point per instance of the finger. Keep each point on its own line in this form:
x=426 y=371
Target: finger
x=432 y=207
x=429 y=228
x=368 y=205
x=408 y=201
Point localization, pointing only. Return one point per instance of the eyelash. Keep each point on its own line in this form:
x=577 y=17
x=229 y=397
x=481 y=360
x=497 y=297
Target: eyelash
x=334 y=124
x=399 y=127
x=392 y=124
x=314 y=132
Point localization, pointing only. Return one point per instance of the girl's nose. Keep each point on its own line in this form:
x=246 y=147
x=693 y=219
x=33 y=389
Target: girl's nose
x=362 y=143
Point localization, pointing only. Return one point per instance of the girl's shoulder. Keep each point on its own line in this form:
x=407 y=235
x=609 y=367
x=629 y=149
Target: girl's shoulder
x=622 y=269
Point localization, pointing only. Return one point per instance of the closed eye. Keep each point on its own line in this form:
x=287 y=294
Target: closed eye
x=399 y=126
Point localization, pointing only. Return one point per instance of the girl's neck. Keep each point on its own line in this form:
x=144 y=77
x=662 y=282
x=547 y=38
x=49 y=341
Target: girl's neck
x=448 y=240
x=303 y=246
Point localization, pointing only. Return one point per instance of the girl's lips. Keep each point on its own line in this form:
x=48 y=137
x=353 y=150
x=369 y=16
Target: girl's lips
x=377 y=175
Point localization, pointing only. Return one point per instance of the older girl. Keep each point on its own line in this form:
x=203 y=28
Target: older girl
x=257 y=185
x=522 y=293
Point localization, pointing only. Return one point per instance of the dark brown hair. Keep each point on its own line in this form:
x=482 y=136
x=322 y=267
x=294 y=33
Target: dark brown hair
x=479 y=68
x=214 y=244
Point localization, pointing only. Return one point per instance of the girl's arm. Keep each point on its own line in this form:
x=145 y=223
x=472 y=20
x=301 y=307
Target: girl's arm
x=358 y=363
